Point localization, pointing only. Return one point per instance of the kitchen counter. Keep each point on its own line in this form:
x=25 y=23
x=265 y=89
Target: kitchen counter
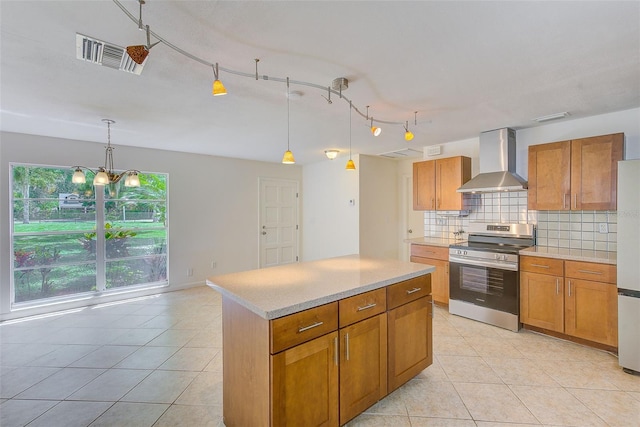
x=434 y=241
x=571 y=254
x=279 y=291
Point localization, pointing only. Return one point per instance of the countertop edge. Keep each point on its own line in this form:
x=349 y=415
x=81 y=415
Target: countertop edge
x=599 y=257
x=294 y=308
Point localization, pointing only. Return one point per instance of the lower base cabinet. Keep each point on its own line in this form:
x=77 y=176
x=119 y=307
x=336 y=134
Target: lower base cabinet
x=305 y=384
x=573 y=298
x=309 y=369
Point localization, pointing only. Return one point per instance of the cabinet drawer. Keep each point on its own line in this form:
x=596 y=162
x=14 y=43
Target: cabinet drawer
x=591 y=271
x=554 y=267
x=303 y=326
x=424 y=251
x=409 y=290
x=362 y=306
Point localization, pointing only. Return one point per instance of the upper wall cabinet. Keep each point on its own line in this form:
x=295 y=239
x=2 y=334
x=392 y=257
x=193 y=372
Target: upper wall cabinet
x=435 y=183
x=581 y=174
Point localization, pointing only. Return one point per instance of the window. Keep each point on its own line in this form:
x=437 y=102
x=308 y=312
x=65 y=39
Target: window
x=71 y=240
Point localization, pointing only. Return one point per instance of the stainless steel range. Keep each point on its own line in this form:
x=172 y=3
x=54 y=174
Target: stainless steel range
x=483 y=273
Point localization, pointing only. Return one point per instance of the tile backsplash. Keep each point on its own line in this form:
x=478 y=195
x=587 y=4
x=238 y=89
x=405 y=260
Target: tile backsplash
x=589 y=230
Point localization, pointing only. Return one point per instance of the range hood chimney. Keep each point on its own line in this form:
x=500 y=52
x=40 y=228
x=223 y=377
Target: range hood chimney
x=497 y=164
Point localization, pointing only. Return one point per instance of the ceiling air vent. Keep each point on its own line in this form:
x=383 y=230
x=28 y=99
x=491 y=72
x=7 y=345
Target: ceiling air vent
x=105 y=54
x=402 y=154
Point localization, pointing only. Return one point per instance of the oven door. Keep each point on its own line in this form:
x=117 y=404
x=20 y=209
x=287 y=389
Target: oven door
x=486 y=286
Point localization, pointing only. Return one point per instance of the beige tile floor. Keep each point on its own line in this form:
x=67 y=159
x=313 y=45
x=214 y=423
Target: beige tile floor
x=157 y=361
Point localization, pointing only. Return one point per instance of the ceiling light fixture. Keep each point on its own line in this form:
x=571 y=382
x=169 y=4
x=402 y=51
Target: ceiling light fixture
x=139 y=53
x=408 y=135
x=374 y=129
x=331 y=154
x=555 y=116
x=350 y=165
x=105 y=174
x=288 y=158
x=338 y=85
x=218 y=87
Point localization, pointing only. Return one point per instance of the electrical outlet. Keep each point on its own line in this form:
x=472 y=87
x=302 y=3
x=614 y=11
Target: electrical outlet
x=214 y=264
x=190 y=272
x=603 y=227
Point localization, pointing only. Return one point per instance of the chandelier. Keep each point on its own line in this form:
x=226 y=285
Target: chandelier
x=105 y=174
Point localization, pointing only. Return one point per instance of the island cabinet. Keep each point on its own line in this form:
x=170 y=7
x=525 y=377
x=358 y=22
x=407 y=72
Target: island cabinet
x=579 y=174
x=435 y=183
x=324 y=365
x=438 y=257
x=573 y=298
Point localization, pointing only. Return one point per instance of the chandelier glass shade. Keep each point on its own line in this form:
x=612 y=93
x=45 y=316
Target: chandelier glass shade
x=105 y=174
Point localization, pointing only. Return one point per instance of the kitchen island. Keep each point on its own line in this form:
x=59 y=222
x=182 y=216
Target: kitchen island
x=317 y=343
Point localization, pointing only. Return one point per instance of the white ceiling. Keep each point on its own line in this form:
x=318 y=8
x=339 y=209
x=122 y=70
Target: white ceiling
x=466 y=67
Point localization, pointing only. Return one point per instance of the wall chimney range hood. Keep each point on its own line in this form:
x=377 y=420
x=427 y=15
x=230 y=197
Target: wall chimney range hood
x=497 y=164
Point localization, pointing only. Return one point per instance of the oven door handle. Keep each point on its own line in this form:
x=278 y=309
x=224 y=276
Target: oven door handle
x=483 y=263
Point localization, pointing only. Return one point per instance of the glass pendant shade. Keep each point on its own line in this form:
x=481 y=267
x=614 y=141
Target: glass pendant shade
x=132 y=180
x=288 y=159
x=350 y=165
x=218 y=88
x=101 y=178
x=376 y=130
x=78 y=177
x=408 y=135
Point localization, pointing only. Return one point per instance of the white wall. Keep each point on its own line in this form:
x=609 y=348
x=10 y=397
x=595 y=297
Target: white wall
x=213 y=202
x=330 y=223
x=379 y=207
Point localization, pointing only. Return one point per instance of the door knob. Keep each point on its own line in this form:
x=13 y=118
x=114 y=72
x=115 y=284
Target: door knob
x=409 y=231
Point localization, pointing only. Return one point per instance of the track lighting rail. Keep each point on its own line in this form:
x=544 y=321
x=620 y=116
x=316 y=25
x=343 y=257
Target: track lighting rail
x=256 y=76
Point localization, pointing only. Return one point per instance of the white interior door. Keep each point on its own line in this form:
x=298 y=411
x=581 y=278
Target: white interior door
x=413 y=221
x=278 y=222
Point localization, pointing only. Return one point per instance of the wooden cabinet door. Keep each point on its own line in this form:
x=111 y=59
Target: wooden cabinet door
x=305 y=384
x=410 y=341
x=592 y=311
x=550 y=176
x=542 y=301
x=594 y=172
x=451 y=173
x=424 y=185
x=439 y=278
x=363 y=366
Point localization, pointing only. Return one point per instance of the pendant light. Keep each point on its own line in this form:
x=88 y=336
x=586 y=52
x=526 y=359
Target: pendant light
x=218 y=87
x=407 y=133
x=288 y=158
x=105 y=175
x=374 y=129
x=350 y=165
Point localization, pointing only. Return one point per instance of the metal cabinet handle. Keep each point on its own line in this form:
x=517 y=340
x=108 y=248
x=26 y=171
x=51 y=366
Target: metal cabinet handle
x=346 y=343
x=306 y=328
x=539 y=266
x=590 y=272
x=557 y=286
x=575 y=201
x=413 y=291
x=569 y=287
x=433 y=309
x=366 y=307
x=335 y=350
x=432 y=203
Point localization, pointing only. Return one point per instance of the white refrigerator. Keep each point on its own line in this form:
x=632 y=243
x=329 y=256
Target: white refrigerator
x=629 y=265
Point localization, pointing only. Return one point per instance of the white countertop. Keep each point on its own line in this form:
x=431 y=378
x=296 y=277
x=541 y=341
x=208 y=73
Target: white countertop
x=434 y=241
x=279 y=291
x=602 y=257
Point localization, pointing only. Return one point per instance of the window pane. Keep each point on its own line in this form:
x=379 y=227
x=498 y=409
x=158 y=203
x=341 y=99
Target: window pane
x=136 y=213
x=46 y=282
x=136 y=271
x=50 y=249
